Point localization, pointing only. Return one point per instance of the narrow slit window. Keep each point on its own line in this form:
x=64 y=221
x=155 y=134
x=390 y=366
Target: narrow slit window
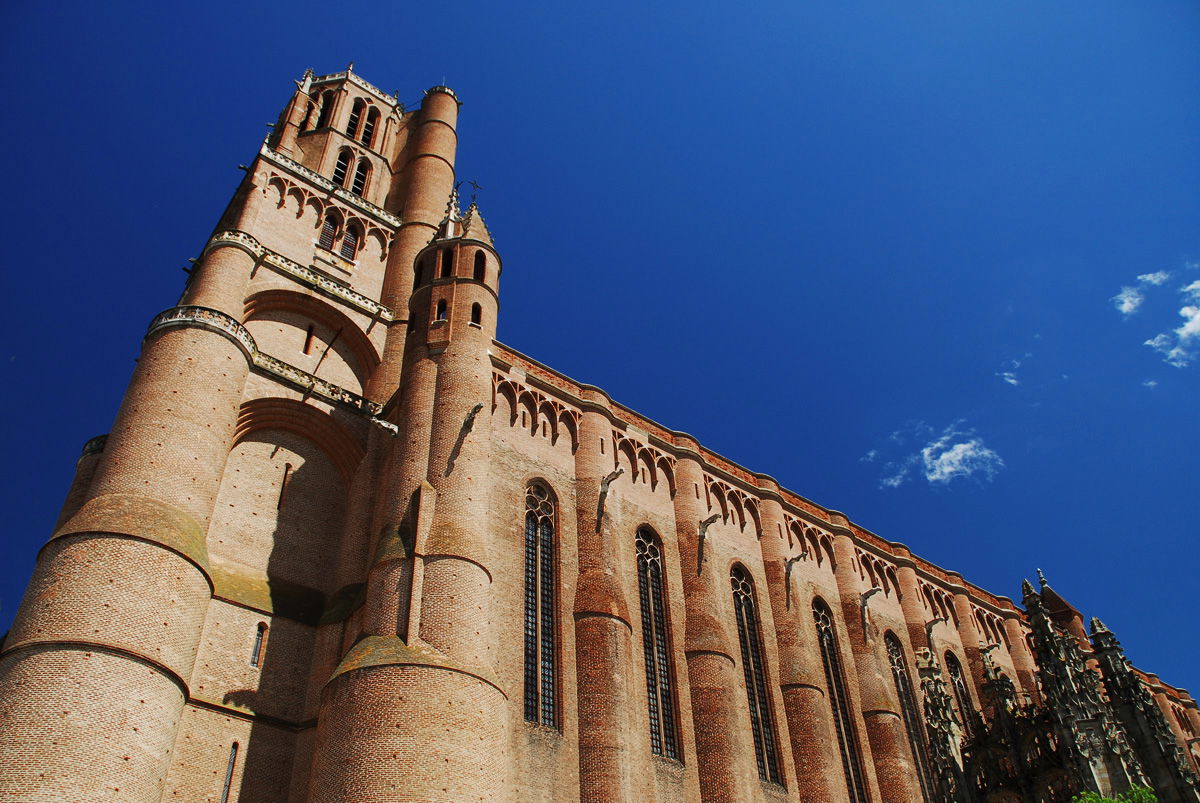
x=418 y=270
x=540 y=629
x=349 y=247
x=480 y=265
x=762 y=721
x=476 y=314
x=360 y=177
x=656 y=647
x=440 y=314
x=329 y=231
x=283 y=485
x=260 y=645
x=908 y=708
x=308 y=338
x=447 y=263
x=839 y=702
x=228 y=787
x=340 y=168
x=368 y=132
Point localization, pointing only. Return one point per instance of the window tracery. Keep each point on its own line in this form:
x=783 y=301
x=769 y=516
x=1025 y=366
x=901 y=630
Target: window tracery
x=749 y=635
x=913 y=726
x=839 y=702
x=540 y=628
x=660 y=671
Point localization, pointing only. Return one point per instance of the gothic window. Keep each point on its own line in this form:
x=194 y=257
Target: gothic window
x=961 y=696
x=480 y=265
x=447 y=263
x=355 y=116
x=656 y=646
x=360 y=177
x=908 y=708
x=839 y=701
x=761 y=720
x=340 y=169
x=476 y=314
x=260 y=645
x=329 y=230
x=326 y=108
x=540 y=631
x=349 y=247
x=368 y=132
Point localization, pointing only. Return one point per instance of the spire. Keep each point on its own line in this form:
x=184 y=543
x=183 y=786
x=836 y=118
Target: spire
x=450 y=225
x=474 y=228
x=1042 y=579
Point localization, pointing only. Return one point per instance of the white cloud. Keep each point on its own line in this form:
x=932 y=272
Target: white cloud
x=870 y=456
x=1009 y=375
x=1150 y=383
x=940 y=459
x=1156 y=278
x=945 y=460
x=1128 y=300
x=1181 y=346
x=1192 y=290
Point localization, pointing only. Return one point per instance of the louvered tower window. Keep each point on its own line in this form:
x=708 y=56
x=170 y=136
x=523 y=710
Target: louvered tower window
x=360 y=177
x=540 y=659
x=339 y=169
x=961 y=695
x=355 y=116
x=329 y=231
x=749 y=634
x=908 y=708
x=839 y=702
x=368 y=132
x=656 y=647
x=349 y=247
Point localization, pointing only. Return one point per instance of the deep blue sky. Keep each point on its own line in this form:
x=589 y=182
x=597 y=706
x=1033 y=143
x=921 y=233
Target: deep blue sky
x=816 y=236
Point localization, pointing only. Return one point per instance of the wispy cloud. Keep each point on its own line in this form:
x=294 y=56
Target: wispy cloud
x=955 y=452
x=1181 y=345
x=1128 y=300
x=1156 y=278
x=1150 y=383
x=1009 y=374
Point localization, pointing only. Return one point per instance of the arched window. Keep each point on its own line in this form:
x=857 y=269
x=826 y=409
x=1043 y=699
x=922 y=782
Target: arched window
x=656 y=647
x=440 y=315
x=329 y=230
x=349 y=247
x=228 y=787
x=840 y=703
x=761 y=719
x=476 y=314
x=360 y=177
x=326 y=108
x=308 y=116
x=961 y=696
x=260 y=645
x=447 y=263
x=540 y=630
x=908 y=708
x=339 y=169
x=480 y=265
x=355 y=117
x=368 y=132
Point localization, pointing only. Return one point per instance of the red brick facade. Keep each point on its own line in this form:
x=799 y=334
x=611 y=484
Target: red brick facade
x=299 y=567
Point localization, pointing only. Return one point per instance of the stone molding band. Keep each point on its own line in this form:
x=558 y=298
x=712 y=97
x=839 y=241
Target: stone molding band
x=342 y=194
x=306 y=276
x=232 y=329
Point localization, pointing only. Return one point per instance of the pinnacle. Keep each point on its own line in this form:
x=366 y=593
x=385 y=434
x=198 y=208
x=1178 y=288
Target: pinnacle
x=1098 y=626
x=474 y=227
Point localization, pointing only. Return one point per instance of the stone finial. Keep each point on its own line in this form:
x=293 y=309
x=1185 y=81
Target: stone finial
x=1042 y=578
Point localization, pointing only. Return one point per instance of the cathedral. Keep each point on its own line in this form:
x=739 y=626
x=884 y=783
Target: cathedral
x=342 y=544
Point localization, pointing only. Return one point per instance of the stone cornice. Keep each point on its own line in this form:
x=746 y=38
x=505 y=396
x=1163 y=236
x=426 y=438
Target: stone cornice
x=306 y=276
x=361 y=83
x=342 y=194
x=228 y=326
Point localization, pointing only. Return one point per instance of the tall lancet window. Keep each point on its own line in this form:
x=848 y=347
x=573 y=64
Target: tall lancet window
x=656 y=647
x=961 y=696
x=843 y=724
x=908 y=708
x=540 y=631
x=749 y=633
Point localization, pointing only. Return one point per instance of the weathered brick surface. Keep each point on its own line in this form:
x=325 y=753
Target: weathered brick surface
x=380 y=548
